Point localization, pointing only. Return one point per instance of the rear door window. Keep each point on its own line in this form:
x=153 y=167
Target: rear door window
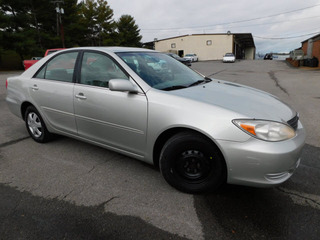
x=60 y=68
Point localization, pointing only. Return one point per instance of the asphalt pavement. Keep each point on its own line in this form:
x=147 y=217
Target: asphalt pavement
x=67 y=189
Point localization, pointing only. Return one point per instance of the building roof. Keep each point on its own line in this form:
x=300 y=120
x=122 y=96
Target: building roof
x=314 y=38
x=245 y=39
x=186 y=35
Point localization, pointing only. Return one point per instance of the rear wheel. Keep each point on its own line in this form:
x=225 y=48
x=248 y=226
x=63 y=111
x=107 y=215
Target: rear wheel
x=36 y=126
x=191 y=163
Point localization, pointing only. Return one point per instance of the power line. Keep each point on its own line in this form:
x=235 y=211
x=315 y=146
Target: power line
x=266 y=23
x=269 y=23
x=283 y=38
x=239 y=21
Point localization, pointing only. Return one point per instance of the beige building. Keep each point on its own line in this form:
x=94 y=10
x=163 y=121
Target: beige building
x=209 y=46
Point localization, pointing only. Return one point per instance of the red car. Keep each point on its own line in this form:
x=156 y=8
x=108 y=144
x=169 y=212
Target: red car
x=29 y=63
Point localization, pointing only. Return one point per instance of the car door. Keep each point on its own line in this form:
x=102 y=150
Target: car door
x=115 y=119
x=51 y=90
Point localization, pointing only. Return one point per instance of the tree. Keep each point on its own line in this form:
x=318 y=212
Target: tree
x=128 y=32
x=43 y=21
x=74 y=30
x=45 y=12
x=16 y=34
x=97 y=17
x=28 y=27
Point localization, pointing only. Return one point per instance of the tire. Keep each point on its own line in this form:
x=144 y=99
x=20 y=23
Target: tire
x=192 y=164
x=36 y=126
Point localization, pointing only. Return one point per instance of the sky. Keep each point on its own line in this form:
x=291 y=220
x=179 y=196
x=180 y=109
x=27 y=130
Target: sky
x=276 y=25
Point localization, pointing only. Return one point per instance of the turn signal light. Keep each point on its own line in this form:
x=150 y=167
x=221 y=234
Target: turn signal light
x=249 y=128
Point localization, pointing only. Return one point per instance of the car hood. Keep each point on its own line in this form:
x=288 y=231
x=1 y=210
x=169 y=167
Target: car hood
x=247 y=101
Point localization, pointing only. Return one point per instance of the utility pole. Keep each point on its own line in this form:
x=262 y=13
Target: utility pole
x=59 y=11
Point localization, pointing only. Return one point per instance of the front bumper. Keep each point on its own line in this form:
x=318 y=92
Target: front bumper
x=259 y=163
x=229 y=60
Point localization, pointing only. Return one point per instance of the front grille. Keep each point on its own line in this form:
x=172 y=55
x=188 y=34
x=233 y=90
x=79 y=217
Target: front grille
x=294 y=122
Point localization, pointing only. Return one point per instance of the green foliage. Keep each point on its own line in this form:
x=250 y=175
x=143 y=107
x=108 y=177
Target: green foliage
x=11 y=60
x=25 y=25
x=97 y=18
x=128 y=32
x=73 y=28
x=15 y=24
x=29 y=27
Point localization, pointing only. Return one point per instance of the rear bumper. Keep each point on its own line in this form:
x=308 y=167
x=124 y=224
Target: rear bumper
x=261 y=164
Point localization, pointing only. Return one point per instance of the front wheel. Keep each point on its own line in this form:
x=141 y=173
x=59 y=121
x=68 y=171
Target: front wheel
x=36 y=126
x=191 y=163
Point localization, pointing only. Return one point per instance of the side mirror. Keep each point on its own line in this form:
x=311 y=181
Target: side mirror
x=122 y=85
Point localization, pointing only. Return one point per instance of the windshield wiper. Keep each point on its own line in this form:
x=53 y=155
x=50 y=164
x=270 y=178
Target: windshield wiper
x=206 y=80
x=173 y=88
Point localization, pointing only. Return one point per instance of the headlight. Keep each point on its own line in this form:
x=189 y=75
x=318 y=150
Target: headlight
x=265 y=130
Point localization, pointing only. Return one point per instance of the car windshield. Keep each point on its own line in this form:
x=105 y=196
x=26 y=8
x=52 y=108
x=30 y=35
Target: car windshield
x=189 y=55
x=161 y=71
x=229 y=55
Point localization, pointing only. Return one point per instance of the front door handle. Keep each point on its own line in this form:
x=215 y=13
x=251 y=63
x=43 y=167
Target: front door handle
x=34 y=87
x=81 y=96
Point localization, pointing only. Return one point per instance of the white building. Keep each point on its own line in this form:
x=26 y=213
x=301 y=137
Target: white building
x=209 y=46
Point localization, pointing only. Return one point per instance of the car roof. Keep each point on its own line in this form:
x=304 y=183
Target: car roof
x=114 y=49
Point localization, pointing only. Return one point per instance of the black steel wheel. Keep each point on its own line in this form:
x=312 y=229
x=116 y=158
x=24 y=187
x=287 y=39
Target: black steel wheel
x=191 y=163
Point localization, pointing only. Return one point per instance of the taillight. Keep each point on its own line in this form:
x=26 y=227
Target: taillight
x=7 y=83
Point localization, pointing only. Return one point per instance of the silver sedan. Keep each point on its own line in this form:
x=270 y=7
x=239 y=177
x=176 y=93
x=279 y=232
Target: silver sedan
x=201 y=132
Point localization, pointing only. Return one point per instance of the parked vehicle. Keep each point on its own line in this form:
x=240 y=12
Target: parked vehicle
x=36 y=58
x=229 y=57
x=192 y=57
x=268 y=56
x=180 y=59
x=29 y=63
x=201 y=132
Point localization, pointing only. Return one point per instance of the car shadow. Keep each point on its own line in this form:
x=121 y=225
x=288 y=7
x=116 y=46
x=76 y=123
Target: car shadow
x=40 y=218
x=237 y=212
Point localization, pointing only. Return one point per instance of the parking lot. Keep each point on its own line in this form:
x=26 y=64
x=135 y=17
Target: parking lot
x=67 y=189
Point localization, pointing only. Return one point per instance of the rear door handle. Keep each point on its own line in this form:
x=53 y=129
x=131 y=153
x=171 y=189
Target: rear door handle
x=34 y=87
x=81 y=96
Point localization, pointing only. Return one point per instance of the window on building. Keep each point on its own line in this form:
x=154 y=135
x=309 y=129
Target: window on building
x=209 y=42
x=173 y=45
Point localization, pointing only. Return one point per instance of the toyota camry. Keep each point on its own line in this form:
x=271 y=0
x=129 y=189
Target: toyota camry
x=200 y=132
